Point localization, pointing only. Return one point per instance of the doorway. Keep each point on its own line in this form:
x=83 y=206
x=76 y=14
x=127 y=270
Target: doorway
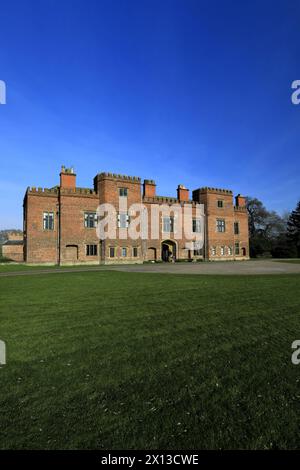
x=168 y=251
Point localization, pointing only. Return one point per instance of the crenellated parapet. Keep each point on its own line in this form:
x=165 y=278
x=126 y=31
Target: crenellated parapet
x=207 y=189
x=166 y=200
x=42 y=191
x=240 y=208
x=78 y=191
x=118 y=177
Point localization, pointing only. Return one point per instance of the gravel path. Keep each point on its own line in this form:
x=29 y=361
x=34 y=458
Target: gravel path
x=227 y=267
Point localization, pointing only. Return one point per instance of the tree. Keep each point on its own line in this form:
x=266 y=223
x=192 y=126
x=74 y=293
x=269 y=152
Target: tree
x=257 y=214
x=267 y=231
x=293 y=228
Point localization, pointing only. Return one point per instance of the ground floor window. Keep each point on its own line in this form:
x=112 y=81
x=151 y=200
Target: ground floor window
x=213 y=251
x=237 y=248
x=91 y=250
x=124 y=252
x=135 y=252
x=222 y=250
x=230 y=250
x=197 y=252
x=112 y=251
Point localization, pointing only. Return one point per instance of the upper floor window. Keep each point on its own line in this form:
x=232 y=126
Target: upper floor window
x=236 y=228
x=168 y=224
x=123 y=192
x=196 y=225
x=220 y=225
x=123 y=220
x=220 y=203
x=48 y=221
x=90 y=219
x=91 y=250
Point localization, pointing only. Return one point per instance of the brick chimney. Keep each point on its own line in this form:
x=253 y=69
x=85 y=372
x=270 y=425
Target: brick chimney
x=240 y=201
x=182 y=193
x=149 y=188
x=67 y=178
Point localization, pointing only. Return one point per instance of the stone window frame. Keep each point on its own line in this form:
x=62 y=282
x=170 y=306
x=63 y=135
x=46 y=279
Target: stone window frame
x=87 y=217
x=171 y=222
x=213 y=250
x=123 y=190
x=91 y=249
x=221 y=225
x=237 y=248
x=229 y=251
x=123 y=223
x=222 y=250
x=194 y=222
x=114 y=248
x=236 y=228
x=137 y=252
x=46 y=220
x=126 y=251
x=220 y=203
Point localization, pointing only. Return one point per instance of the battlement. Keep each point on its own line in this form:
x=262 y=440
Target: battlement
x=34 y=190
x=54 y=191
x=115 y=176
x=240 y=208
x=207 y=189
x=82 y=191
x=149 y=182
x=166 y=200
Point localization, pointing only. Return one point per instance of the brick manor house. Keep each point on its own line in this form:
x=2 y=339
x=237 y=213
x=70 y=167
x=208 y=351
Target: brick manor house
x=60 y=223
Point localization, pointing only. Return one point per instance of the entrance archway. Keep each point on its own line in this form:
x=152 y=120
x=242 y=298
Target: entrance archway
x=168 y=251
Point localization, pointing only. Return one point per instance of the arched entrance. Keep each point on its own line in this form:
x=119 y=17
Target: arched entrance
x=168 y=251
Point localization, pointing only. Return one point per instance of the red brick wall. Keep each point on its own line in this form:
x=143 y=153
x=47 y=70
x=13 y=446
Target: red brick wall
x=41 y=246
x=73 y=233
x=70 y=204
x=13 y=252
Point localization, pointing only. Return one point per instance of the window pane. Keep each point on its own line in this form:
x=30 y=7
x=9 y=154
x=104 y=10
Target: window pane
x=123 y=192
x=48 y=220
x=196 y=225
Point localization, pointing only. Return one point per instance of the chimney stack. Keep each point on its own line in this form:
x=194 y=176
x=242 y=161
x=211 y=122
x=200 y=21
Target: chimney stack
x=240 y=201
x=149 y=189
x=182 y=193
x=67 y=178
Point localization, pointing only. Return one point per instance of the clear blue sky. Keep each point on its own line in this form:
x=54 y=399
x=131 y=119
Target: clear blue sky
x=181 y=91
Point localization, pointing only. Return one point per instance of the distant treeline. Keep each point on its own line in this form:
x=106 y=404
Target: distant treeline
x=271 y=234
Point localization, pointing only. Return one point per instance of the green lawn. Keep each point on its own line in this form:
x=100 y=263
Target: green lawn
x=13 y=267
x=112 y=360
x=297 y=261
